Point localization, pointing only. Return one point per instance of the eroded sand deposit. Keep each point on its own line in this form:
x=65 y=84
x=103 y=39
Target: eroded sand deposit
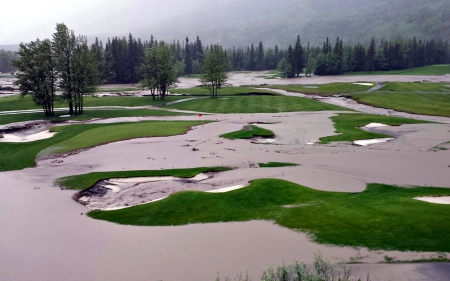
x=45 y=233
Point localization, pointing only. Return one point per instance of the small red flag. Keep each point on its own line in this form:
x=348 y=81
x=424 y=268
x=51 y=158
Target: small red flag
x=200 y=115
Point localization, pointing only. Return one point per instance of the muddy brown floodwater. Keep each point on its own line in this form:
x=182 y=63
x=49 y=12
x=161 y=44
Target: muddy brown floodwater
x=45 y=235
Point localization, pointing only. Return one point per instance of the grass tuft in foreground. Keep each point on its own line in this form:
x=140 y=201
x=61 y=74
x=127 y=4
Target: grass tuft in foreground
x=249 y=132
x=381 y=217
x=348 y=126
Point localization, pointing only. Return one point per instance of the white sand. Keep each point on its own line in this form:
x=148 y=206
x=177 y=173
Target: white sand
x=371 y=141
x=363 y=84
x=227 y=189
x=435 y=200
x=375 y=125
x=27 y=138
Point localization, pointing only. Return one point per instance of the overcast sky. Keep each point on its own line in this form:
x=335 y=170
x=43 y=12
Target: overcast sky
x=26 y=20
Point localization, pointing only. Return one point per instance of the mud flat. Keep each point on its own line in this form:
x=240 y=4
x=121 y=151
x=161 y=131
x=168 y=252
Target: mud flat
x=44 y=229
x=254 y=78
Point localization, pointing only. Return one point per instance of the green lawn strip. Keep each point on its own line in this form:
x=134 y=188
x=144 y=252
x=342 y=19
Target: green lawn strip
x=425 y=70
x=87 y=115
x=15 y=156
x=255 y=104
x=248 y=132
x=348 y=126
x=426 y=104
x=415 y=87
x=224 y=91
x=381 y=217
x=81 y=182
x=15 y=102
x=324 y=89
x=276 y=165
x=120 y=131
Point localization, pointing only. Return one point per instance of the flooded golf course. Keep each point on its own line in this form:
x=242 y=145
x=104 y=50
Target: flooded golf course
x=46 y=235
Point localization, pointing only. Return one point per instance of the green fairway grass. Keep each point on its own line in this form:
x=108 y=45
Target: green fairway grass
x=324 y=89
x=248 y=132
x=440 y=69
x=81 y=182
x=276 y=165
x=426 y=104
x=86 y=115
x=16 y=156
x=255 y=104
x=224 y=91
x=15 y=102
x=348 y=126
x=417 y=98
x=416 y=87
x=381 y=217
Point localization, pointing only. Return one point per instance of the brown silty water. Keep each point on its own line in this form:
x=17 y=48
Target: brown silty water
x=46 y=235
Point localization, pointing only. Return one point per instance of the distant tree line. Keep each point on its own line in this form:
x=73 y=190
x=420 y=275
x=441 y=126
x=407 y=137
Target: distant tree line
x=6 y=61
x=119 y=59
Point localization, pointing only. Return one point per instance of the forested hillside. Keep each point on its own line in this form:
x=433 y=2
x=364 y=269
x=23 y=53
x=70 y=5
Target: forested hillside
x=240 y=23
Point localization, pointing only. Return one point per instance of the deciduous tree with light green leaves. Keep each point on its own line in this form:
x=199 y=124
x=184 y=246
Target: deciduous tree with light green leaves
x=214 y=70
x=158 y=70
x=37 y=73
x=76 y=67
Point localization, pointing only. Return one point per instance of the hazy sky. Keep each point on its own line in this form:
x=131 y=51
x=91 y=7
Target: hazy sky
x=26 y=20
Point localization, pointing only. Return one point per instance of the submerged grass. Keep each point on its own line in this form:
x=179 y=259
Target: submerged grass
x=15 y=156
x=348 y=126
x=276 y=165
x=249 y=132
x=81 y=182
x=381 y=217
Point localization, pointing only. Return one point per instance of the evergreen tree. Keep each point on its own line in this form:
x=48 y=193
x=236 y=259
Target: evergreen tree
x=370 y=56
x=187 y=58
x=298 y=60
x=260 y=61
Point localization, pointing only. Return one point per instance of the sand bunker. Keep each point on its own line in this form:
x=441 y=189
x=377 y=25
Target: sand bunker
x=363 y=84
x=435 y=200
x=27 y=138
x=371 y=141
x=375 y=125
x=263 y=141
x=120 y=193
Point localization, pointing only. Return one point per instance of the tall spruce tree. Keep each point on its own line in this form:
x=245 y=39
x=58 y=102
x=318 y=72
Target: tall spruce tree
x=187 y=58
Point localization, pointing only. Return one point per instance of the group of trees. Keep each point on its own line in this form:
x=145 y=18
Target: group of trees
x=66 y=64
x=388 y=55
x=120 y=60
